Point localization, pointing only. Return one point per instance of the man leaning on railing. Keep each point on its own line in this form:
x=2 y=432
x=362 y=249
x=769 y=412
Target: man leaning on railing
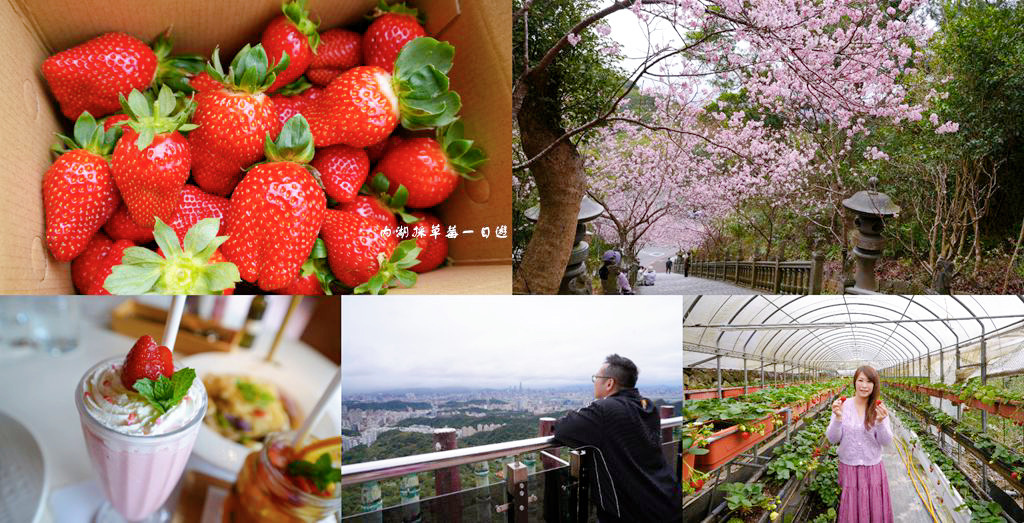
x=621 y=434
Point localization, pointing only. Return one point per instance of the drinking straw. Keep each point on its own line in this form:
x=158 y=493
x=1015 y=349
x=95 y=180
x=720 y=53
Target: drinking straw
x=173 y=321
x=287 y=316
x=318 y=410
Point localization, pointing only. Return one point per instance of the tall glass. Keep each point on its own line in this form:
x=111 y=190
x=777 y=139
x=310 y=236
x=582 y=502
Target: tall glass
x=137 y=473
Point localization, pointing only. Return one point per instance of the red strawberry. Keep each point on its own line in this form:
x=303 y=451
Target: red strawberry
x=343 y=170
x=375 y=151
x=393 y=27
x=744 y=434
x=355 y=248
x=371 y=208
x=152 y=160
x=110 y=121
x=339 y=51
x=878 y=402
x=204 y=82
x=196 y=205
x=233 y=120
x=842 y=399
x=315 y=275
x=293 y=34
x=362 y=106
x=430 y=169
x=91 y=76
x=276 y=212
x=79 y=193
x=146 y=360
x=288 y=106
x=91 y=268
x=192 y=266
x=121 y=227
x=430 y=236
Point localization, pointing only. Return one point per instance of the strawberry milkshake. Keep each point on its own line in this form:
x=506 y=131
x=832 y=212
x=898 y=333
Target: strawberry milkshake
x=140 y=416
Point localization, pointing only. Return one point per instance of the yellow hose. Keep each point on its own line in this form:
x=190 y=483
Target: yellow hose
x=916 y=479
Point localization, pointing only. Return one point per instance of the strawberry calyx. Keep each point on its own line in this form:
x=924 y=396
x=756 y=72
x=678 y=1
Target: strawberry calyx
x=317 y=264
x=462 y=155
x=249 y=72
x=420 y=82
x=299 y=86
x=174 y=71
x=378 y=187
x=399 y=9
x=293 y=144
x=298 y=15
x=394 y=270
x=184 y=268
x=88 y=134
x=150 y=117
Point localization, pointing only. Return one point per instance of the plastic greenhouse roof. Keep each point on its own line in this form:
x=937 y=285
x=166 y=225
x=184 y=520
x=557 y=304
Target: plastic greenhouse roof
x=842 y=332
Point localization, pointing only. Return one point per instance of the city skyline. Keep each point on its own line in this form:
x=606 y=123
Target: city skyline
x=495 y=342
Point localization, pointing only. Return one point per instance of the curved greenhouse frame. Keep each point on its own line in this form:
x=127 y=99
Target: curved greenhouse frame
x=760 y=374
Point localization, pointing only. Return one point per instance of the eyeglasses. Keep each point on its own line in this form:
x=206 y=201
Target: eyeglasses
x=595 y=377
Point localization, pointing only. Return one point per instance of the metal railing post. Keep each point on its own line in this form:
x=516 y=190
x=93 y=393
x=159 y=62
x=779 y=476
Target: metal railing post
x=579 y=496
x=667 y=411
x=517 y=493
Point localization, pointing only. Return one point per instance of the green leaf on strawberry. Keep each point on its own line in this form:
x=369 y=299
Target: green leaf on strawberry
x=462 y=155
x=163 y=394
x=174 y=70
x=378 y=185
x=322 y=473
x=249 y=71
x=190 y=267
x=150 y=117
x=89 y=135
x=297 y=14
x=294 y=142
x=421 y=83
x=394 y=270
x=400 y=8
x=317 y=264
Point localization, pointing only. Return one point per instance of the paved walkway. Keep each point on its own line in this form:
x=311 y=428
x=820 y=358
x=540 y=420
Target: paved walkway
x=679 y=284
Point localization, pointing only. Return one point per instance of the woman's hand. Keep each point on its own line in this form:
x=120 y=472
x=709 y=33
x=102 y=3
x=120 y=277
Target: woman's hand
x=881 y=413
x=837 y=409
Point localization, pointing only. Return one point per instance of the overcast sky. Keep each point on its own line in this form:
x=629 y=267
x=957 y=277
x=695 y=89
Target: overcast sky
x=397 y=342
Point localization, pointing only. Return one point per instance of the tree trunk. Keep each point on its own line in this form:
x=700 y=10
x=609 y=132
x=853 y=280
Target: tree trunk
x=560 y=184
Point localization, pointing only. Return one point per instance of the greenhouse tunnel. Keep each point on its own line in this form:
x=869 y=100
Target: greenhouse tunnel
x=760 y=374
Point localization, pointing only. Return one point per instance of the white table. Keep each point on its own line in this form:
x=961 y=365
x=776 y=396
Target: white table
x=38 y=391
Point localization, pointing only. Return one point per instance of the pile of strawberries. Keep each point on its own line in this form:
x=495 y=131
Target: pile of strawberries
x=197 y=178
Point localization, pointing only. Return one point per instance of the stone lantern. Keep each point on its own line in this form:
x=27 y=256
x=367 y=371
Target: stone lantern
x=871 y=208
x=576 y=280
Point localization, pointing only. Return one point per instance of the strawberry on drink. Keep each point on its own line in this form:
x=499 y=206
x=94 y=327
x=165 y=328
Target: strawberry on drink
x=79 y=193
x=146 y=360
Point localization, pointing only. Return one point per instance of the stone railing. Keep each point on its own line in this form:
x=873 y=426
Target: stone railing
x=776 y=277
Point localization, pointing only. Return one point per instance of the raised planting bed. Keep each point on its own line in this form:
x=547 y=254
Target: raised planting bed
x=1007 y=409
x=728 y=442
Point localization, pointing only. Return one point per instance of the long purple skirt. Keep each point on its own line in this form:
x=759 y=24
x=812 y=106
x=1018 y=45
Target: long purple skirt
x=865 y=497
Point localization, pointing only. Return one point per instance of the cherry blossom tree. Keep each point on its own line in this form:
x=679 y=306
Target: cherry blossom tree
x=807 y=64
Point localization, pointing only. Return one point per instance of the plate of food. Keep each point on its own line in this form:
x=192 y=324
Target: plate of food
x=250 y=399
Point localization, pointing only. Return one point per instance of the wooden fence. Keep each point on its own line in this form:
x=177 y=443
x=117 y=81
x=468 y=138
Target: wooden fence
x=776 y=277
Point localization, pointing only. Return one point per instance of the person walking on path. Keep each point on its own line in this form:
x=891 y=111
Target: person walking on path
x=668 y=265
x=860 y=426
x=686 y=265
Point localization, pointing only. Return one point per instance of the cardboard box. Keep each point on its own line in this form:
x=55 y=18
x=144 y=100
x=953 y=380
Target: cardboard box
x=32 y=30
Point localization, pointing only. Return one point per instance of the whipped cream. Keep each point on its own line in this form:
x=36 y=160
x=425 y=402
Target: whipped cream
x=120 y=408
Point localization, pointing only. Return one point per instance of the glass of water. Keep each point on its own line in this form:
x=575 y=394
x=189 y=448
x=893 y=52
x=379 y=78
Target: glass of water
x=56 y=324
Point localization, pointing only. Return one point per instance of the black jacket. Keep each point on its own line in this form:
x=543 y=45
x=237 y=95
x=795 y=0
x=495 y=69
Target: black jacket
x=631 y=480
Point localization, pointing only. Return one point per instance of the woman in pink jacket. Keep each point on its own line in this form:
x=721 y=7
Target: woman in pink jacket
x=860 y=426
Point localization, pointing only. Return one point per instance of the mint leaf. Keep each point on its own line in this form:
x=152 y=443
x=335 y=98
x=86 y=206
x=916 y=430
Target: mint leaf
x=146 y=389
x=182 y=381
x=322 y=473
x=163 y=394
